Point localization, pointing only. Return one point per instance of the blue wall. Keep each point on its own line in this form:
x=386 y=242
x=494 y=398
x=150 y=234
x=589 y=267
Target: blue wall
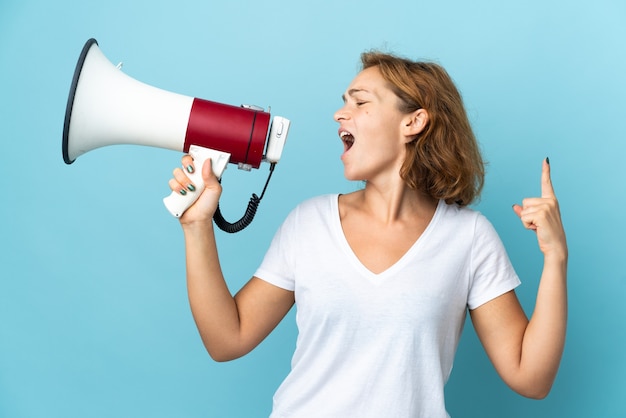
x=94 y=318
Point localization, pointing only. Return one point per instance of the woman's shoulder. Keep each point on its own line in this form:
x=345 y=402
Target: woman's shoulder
x=311 y=211
x=471 y=220
x=463 y=216
x=319 y=203
x=316 y=201
x=454 y=210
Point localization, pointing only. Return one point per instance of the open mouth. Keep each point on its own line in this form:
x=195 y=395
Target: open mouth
x=347 y=138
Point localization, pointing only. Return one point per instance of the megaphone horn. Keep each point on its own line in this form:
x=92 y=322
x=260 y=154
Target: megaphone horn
x=107 y=107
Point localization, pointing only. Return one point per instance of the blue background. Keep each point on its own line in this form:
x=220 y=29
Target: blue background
x=94 y=320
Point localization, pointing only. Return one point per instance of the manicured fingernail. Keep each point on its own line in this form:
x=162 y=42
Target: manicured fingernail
x=548 y=160
x=190 y=168
x=183 y=192
x=191 y=188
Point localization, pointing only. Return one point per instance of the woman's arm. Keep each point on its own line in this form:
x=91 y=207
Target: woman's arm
x=230 y=327
x=526 y=353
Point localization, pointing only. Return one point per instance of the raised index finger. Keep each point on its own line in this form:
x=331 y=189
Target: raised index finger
x=546 y=181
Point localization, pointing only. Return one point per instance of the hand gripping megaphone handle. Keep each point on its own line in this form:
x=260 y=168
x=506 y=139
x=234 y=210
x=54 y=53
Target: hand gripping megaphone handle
x=176 y=203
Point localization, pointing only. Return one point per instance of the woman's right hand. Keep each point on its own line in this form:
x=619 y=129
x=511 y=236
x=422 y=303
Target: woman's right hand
x=204 y=208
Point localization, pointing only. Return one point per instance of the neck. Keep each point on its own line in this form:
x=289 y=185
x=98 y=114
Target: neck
x=391 y=203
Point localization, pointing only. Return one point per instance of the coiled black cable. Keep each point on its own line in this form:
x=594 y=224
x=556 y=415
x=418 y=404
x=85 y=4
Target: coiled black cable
x=245 y=220
x=248 y=216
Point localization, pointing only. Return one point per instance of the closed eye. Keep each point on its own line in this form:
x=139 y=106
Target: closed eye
x=353 y=95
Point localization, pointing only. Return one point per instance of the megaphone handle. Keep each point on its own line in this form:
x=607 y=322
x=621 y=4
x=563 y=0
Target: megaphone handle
x=176 y=203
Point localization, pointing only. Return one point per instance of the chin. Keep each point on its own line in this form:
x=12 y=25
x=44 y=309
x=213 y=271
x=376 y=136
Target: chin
x=352 y=176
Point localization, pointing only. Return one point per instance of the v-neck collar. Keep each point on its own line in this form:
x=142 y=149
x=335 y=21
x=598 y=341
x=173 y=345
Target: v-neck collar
x=377 y=278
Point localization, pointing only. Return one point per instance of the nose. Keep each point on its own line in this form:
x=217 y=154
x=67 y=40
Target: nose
x=341 y=114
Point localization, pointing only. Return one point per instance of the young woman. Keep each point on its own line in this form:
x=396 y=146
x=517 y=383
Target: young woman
x=383 y=277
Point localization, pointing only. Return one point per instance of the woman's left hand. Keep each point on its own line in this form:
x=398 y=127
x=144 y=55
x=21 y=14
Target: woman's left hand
x=542 y=215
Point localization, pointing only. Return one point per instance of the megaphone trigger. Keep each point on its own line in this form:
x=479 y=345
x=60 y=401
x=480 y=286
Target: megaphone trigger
x=176 y=203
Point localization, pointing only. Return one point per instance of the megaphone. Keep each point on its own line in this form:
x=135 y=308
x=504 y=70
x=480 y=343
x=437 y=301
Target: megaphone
x=107 y=107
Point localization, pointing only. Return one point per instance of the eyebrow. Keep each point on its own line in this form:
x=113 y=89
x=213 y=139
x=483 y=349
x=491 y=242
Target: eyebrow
x=351 y=93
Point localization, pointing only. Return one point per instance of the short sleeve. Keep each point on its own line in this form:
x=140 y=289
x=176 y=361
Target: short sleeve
x=277 y=266
x=492 y=271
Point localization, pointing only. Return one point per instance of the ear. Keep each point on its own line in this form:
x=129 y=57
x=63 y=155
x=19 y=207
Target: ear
x=415 y=122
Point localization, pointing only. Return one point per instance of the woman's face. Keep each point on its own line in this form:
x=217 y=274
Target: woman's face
x=371 y=128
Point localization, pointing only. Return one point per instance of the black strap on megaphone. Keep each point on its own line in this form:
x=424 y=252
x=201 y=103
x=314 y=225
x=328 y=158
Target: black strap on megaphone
x=248 y=216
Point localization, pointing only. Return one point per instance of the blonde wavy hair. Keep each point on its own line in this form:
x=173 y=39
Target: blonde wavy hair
x=444 y=160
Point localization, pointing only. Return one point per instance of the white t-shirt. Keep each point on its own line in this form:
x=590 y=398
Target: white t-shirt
x=379 y=345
